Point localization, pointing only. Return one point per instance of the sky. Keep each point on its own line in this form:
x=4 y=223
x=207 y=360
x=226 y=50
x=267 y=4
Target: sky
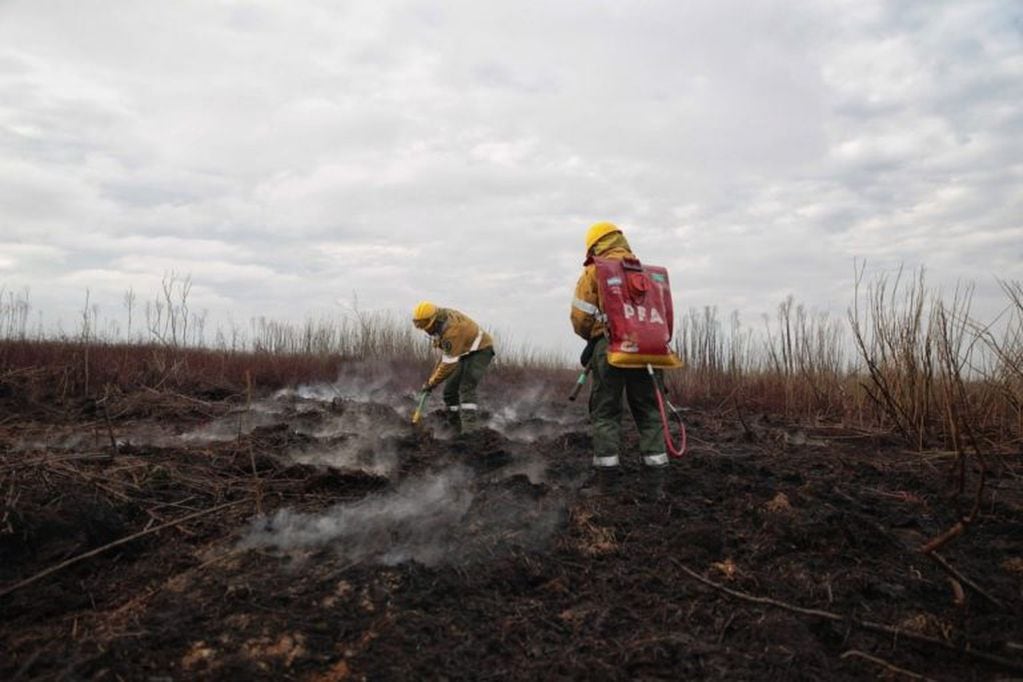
x=295 y=158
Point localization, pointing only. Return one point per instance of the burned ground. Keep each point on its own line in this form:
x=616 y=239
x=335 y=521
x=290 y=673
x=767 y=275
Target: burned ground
x=316 y=537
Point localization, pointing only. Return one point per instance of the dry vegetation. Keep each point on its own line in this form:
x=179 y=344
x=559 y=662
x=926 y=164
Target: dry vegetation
x=907 y=361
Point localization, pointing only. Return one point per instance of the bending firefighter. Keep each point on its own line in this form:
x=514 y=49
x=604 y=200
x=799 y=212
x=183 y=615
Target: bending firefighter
x=466 y=352
x=623 y=311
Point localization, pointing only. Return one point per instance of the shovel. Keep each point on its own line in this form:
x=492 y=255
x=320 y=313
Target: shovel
x=579 y=383
x=417 y=415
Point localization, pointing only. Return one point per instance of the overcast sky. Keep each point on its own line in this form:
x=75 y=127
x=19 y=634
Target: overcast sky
x=287 y=154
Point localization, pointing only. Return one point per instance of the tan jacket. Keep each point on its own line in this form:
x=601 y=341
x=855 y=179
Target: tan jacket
x=456 y=335
x=587 y=310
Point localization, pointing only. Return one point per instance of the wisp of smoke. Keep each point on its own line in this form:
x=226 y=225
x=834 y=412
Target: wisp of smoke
x=526 y=416
x=416 y=521
x=371 y=455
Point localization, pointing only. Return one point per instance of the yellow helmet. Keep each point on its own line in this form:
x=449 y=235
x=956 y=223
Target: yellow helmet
x=597 y=232
x=424 y=314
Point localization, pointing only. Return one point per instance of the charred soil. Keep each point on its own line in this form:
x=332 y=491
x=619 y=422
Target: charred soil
x=328 y=540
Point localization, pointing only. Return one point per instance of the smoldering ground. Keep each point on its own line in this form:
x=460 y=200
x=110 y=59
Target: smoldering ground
x=355 y=425
x=344 y=421
x=445 y=510
x=484 y=554
x=457 y=513
x=448 y=516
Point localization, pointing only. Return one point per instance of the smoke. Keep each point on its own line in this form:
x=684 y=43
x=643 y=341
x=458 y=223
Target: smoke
x=338 y=433
x=319 y=392
x=533 y=468
x=438 y=519
x=377 y=455
x=530 y=414
x=414 y=522
x=379 y=388
x=372 y=406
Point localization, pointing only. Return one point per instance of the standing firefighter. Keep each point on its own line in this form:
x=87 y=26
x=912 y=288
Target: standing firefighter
x=623 y=310
x=466 y=352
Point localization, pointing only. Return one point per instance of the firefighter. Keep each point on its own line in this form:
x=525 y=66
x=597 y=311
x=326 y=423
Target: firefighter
x=466 y=352
x=610 y=382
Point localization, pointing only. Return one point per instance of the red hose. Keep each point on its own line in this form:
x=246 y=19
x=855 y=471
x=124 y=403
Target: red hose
x=675 y=451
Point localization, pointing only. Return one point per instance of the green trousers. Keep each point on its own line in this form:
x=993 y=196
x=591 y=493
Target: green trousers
x=460 y=390
x=609 y=383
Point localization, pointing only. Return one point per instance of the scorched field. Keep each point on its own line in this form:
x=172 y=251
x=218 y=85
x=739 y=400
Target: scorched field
x=314 y=534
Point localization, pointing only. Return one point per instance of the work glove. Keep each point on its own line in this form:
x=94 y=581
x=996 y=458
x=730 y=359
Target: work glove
x=423 y=392
x=587 y=353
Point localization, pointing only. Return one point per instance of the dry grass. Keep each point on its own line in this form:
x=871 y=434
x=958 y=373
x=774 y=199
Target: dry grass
x=64 y=370
x=932 y=372
x=907 y=360
x=921 y=365
x=796 y=365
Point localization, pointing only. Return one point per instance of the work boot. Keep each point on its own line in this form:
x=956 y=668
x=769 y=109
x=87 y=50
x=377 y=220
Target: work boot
x=654 y=480
x=470 y=420
x=603 y=479
x=454 y=419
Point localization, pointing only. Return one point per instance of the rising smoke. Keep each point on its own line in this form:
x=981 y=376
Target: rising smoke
x=415 y=521
x=441 y=518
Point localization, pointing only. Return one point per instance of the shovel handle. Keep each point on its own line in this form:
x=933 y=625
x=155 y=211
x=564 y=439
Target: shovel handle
x=579 y=383
x=417 y=415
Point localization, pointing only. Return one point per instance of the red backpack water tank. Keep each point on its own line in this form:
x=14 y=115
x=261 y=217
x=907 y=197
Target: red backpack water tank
x=640 y=318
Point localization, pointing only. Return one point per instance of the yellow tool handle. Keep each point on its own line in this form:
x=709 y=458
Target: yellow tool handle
x=417 y=416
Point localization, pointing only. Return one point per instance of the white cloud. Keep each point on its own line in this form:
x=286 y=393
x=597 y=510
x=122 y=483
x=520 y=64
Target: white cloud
x=290 y=154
